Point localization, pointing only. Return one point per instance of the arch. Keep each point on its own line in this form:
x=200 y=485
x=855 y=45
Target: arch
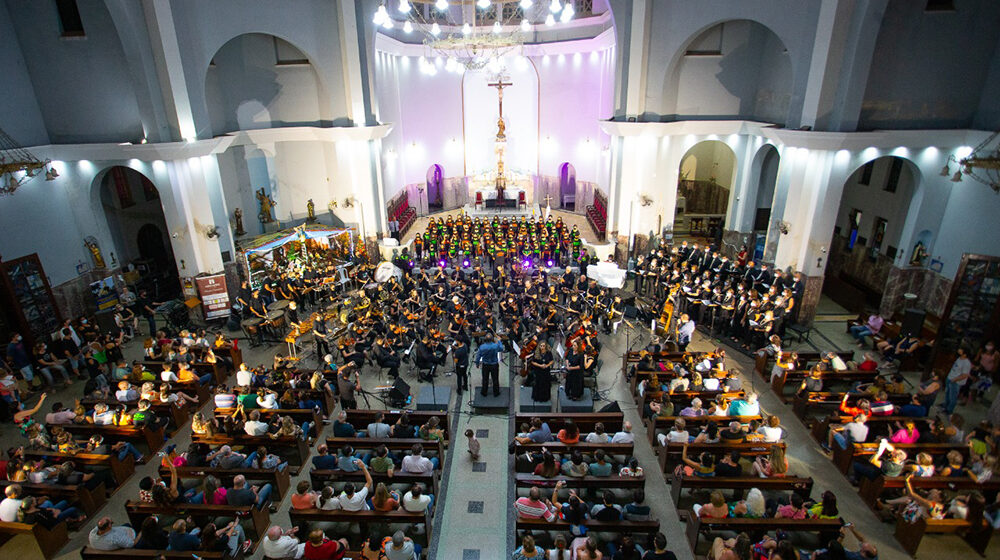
x=435 y=186
x=567 y=182
x=260 y=80
x=764 y=178
x=136 y=221
x=750 y=74
x=706 y=177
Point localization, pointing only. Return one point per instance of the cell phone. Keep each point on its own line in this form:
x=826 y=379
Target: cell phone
x=849 y=524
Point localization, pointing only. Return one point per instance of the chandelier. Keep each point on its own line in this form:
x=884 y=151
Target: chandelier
x=18 y=166
x=472 y=34
x=983 y=164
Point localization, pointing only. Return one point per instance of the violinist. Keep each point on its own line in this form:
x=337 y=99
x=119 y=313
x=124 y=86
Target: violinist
x=429 y=357
x=456 y=325
x=351 y=355
x=385 y=356
x=552 y=321
x=322 y=335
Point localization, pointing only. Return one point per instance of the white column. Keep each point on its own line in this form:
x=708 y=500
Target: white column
x=810 y=211
x=743 y=198
x=160 y=20
x=188 y=211
x=638 y=51
x=350 y=60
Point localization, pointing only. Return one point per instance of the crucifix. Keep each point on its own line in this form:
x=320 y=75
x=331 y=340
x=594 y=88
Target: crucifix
x=548 y=199
x=500 y=84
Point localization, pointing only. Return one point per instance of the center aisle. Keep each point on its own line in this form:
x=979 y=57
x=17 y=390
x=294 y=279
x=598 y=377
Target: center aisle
x=474 y=522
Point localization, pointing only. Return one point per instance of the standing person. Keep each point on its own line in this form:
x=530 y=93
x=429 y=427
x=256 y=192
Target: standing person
x=321 y=333
x=957 y=377
x=18 y=355
x=574 y=370
x=348 y=386
x=147 y=308
x=460 y=354
x=541 y=366
x=685 y=330
x=488 y=358
x=659 y=551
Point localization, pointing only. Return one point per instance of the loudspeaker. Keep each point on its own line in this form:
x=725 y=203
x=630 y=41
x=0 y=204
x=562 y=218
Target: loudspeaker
x=613 y=407
x=631 y=312
x=399 y=391
x=629 y=301
x=913 y=321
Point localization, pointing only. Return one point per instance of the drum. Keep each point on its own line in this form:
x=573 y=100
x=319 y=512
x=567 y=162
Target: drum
x=275 y=314
x=279 y=305
x=251 y=323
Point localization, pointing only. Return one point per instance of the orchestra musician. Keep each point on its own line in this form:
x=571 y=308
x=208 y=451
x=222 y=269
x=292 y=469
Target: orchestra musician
x=321 y=334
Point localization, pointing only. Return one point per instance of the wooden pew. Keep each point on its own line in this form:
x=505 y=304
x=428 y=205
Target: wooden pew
x=975 y=530
x=814 y=401
x=633 y=358
x=795 y=377
x=872 y=490
x=762 y=360
x=664 y=423
x=360 y=418
x=635 y=528
x=611 y=449
x=799 y=485
x=298 y=447
x=753 y=527
x=585 y=421
x=685 y=397
x=218 y=370
x=89 y=553
x=178 y=415
x=842 y=458
x=259 y=518
x=49 y=541
x=403 y=445
x=120 y=470
x=665 y=377
x=151 y=439
x=326 y=477
x=876 y=424
x=299 y=415
x=527 y=480
x=670 y=455
x=89 y=500
x=279 y=479
x=363 y=518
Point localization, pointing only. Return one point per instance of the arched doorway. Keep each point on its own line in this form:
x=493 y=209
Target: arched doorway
x=435 y=187
x=707 y=172
x=766 y=166
x=138 y=227
x=869 y=228
x=567 y=185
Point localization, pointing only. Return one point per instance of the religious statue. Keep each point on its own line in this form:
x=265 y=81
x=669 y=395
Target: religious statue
x=500 y=129
x=311 y=211
x=266 y=204
x=95 y=252
x=919 y=255
x=238 y=217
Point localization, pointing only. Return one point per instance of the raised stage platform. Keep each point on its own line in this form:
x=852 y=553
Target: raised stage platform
x=489 y=403
x=486 y=212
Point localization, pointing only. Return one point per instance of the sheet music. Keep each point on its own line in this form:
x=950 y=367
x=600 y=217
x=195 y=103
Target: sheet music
x=560 y=351
x=517 y=349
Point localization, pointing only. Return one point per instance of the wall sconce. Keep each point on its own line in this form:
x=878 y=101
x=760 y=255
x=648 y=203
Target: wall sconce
x=783 y=227
x=332 y=204
x=212 y=232
x=349 y=202
x=645 y=200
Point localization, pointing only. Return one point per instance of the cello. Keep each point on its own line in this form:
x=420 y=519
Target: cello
x=526 y=351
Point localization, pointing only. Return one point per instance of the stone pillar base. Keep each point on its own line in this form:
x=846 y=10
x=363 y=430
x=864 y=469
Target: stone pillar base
x=810 y=299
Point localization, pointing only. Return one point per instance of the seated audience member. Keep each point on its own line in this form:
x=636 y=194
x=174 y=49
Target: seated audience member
x=598 y=435
x=416 y=463
x=531 y=506
x=795 y=509
x=855 y=431
x=637 y=510
x=570 y=434
x=716 y=508
x=625 y=435
x=601 y=466
x=775 y=465
x=747 y=406
x=106 y=536
x=400 y=547
x=607 y=510
x=528 y=550
x=281 y=543
x=415 y=500
x=351 y=500
x=632 y=469
x=319 y=547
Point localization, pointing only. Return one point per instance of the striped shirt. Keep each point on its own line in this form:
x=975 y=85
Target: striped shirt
x=532 y=509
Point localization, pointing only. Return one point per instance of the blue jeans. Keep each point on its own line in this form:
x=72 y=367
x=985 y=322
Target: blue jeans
x=128 y=449
x=248 y=463
x=235 y=542
x=859 y=332
x=204 y=379
x=841 y=440
x=436 y=462
x=65 y=512
x=951 y=396
x=193 y=497
x=306 y=428
x=151 y=321
x=263 y=495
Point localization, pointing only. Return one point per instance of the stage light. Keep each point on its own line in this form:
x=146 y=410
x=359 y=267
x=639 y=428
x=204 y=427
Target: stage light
x=527 y=263
x=411 y=264
x=550 y=264
x=465 y=263
x=442 y=264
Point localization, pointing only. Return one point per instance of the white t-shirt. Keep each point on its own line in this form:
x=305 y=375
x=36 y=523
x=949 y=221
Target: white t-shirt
x=168 y=376
x=126 y=395
x=771 y=435
x=104 y=418
x=255 y=427
x=269 y=400
x=417 y=464
x=673 y=437
x=244 y=377
x=838 y=363
x=623 y=437
x=594 y=437
x=8 y=509
x=710 y=383
x=284 y=547
x=356 y=502
x=416 y=504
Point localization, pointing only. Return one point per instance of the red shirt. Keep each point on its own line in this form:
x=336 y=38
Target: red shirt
x=329 y=550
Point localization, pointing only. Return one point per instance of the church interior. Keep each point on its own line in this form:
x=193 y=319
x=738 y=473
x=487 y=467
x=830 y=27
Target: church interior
x=491 y=279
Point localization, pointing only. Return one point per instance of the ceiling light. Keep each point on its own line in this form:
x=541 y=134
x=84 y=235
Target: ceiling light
x=496 y=27
x=435 y=29
x=567 y=12
x=550 y=20
x=555 y=6
x=466 y=29
x=483 y=4
x=441 y=5
x=404 y=6
x=525 y=4
x=525 y=26
x=407 y=27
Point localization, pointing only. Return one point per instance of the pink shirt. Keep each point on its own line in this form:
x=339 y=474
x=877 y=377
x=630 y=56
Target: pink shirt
x=875 y=323
x=902 y=436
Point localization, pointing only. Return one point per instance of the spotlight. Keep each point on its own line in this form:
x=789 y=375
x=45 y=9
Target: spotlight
x=411 y=264
x=442 y=264
x=550 y=263
x=527 y=263
x=465 y=263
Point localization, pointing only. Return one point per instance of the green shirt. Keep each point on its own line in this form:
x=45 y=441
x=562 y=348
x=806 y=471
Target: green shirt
x=381 y=464
x=248 y=401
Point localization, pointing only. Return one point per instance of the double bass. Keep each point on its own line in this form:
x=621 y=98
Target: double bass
x=526 y=351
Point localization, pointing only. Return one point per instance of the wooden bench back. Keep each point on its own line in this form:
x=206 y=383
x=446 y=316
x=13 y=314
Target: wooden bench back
x=121 y=470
